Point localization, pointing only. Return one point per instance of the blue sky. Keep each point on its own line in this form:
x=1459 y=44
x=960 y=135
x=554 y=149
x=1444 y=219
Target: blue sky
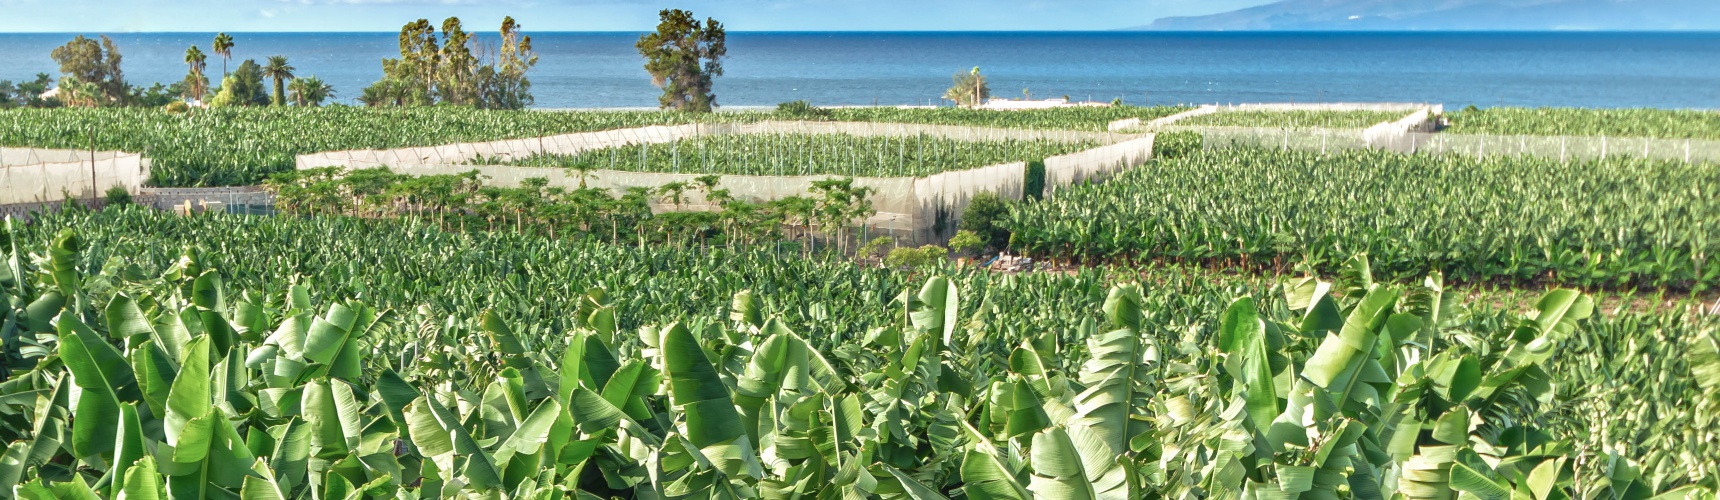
x=593 y=15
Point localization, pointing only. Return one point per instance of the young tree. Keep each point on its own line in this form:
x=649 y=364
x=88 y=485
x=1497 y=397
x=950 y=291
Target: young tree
x=419 y=56
x=969 y=89
x=30 y=93
x=683 y=57
x=512 y=90
x=91 y=71
x=196 y=84
x=310 y=91
x=456 y=82
x=223 y=47
x=279 y=71
x=244 y=87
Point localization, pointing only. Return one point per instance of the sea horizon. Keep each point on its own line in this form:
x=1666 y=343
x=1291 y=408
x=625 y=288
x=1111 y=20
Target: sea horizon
x=601 y=69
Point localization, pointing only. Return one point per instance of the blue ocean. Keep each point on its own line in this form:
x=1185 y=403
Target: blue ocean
x=602 y=70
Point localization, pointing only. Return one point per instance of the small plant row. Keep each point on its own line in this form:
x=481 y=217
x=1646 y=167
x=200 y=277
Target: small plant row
x=1653 y=123
x=182 y=384
x=466 y=202
x=1615 y=222
x=807 y=154
x=1294 y=119
x=243 y=146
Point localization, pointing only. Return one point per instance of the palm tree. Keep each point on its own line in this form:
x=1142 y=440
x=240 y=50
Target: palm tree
x=310 y=91
x=280 y=71
x=196 y=60
x=223 y=47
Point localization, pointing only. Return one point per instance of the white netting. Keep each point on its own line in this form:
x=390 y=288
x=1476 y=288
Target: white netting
x=1096 y=164
x=1562 y=148
x=924 y=208
x=30 y=175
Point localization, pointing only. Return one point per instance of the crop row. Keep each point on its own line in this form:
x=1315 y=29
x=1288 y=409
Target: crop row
x=1091 y=119
x=284 y=357
x=1294 y=119
x=1613 y=222
x=809 y=154
x=243 y=146
x=1654 y=123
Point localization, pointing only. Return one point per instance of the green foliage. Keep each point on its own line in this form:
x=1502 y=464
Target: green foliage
x=684 y=56
x=90 y=72
x=1034 y=185
x=1083 y=118
x=157 y=95
x=1506 y=220
x=1170 y=145
x=968 y=89
x=279 y=70
x=808 y=154
x=118 y=195
x=1294 y=119
x=243 y=87
x=967 y=242
x=310 y=91
x=987 y=217
x=241 y=146
x=410 y=368
x=27 y=94
x=244 y=146
x=1655 y=123
x=910 y=257
x=449 y=69
x=801 y=110
x=875 y=248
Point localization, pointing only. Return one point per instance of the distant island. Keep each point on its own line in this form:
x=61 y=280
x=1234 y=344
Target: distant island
x=1478 y=15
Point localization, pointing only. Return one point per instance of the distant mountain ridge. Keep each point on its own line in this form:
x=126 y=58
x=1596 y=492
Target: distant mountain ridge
x=1486 y=15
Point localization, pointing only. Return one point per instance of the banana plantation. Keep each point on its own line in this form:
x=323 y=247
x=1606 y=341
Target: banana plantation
x=1616 y=222
x=808 y=154
x=216 y=356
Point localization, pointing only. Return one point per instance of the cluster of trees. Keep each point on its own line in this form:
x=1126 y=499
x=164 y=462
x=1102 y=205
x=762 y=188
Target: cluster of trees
x=246 y=85
x=453 y=67
x=27 y=94
x=91 y=76
x=465 y=201
x=684 y=57
x=970 y=89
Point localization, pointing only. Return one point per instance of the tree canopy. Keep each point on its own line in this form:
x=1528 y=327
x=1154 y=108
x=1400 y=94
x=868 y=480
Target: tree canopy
x=684 y=56
x=451 y=68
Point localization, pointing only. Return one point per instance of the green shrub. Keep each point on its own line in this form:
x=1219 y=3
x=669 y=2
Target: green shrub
x=875 y=248
x=916 y=257
x=118 y=195
x=1034 y=187
x=801 y=110
x=986 y=217
x=967 y=241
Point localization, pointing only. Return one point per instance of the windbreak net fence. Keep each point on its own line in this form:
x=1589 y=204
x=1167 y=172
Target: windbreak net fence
x=921 y=207
x=506 y=151
x=1562 y=148
x=31 y=176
